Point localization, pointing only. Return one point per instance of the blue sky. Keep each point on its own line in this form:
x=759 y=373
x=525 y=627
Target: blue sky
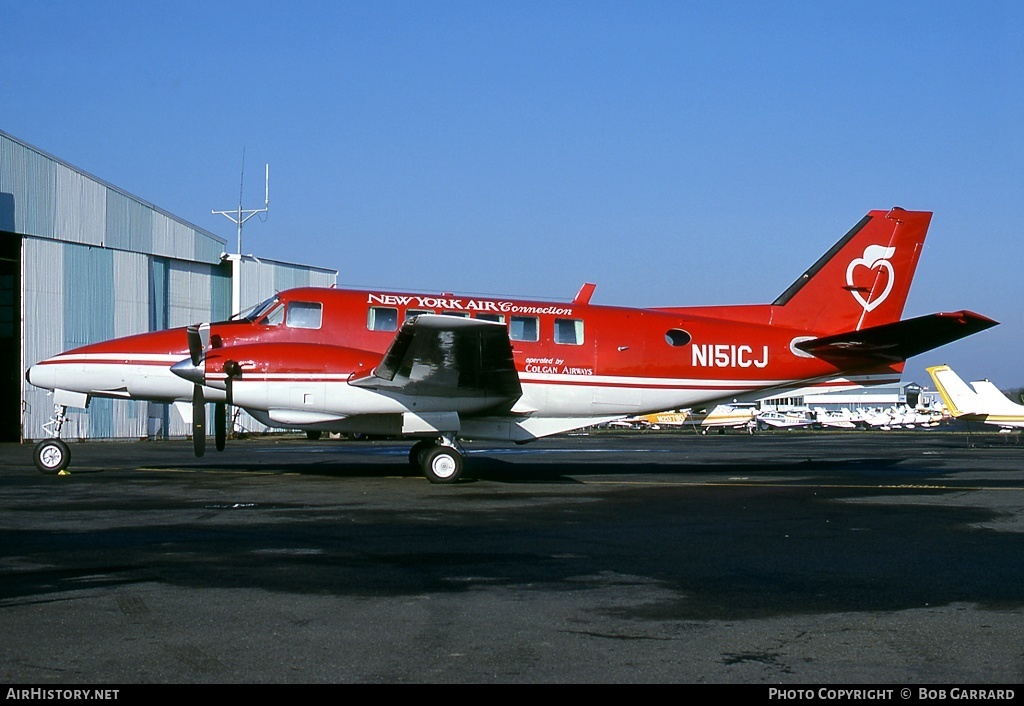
x=674 y=153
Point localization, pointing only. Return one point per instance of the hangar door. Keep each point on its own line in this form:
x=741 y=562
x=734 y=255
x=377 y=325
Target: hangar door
x=10 y=337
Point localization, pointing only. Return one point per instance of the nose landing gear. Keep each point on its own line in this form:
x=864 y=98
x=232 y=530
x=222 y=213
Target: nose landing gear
x=52 y=456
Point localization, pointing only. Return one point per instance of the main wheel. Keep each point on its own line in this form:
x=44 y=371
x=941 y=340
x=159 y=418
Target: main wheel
x=417 y=451
x=52 y=456
x=442 y=464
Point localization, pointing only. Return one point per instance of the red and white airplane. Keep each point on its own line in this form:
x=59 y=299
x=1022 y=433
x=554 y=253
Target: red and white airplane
x=440 y=367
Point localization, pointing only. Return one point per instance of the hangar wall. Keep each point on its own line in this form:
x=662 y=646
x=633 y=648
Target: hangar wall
x=260 y=278
x=97 y=263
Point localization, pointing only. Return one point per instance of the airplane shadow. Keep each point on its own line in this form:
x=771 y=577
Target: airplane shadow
x=532 y=469
x=819 y=535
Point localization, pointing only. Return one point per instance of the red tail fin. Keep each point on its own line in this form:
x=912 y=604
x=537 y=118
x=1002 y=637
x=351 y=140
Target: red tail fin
x=862 y=281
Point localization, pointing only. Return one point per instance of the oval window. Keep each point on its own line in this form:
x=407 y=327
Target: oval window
x=677 y=337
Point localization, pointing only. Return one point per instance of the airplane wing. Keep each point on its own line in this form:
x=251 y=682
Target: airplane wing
x=897 y=341
x=448 y=356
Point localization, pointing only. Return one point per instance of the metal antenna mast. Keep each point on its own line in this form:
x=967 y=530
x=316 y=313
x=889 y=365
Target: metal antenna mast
x=239 y=216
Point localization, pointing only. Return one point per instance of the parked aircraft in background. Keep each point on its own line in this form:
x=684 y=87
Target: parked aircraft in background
x=658 y=420
x=898 y=417
x=907 y=417
x=984 y=403
x=777 y=419
x=438 y=367
x=732 y=415
x=837 y=419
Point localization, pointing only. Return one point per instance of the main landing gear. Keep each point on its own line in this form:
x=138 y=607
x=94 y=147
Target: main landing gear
x=441 y=460
x=52 y=455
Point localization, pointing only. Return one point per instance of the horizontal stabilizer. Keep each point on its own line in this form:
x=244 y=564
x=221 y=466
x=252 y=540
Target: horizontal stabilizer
x=897 y=341
x=993 y=401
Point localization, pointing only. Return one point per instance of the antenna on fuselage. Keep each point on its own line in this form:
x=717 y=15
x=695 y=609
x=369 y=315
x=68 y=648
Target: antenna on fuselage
x=240 y=215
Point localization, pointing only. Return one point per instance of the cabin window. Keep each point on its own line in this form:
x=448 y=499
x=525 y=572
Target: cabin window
x=460 y=314
x=677 y=337
x=497 y=318
x=524 y=328
x=569 y=331
x=410 y=313
x=382 y=318
x=304 y=314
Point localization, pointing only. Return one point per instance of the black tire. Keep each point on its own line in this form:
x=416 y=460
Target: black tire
x=442 y=464
x=52 y=456
x=417 y=451
x=314 y=435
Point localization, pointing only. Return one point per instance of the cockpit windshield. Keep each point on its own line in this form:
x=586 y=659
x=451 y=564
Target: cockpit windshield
x=255 y=313
x=293 y=314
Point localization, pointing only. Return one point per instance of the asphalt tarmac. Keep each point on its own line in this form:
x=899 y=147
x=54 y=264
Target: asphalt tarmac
x=777 y=558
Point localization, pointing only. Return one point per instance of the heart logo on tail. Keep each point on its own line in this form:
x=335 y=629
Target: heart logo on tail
x=876 y=257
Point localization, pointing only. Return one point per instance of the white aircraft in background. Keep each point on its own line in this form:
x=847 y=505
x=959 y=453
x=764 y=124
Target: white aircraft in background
x=837 y=418
x=790 y=419
x=733 y=415
x=984 y=403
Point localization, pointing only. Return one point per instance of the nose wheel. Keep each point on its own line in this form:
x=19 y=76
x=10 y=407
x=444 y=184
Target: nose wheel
x=52 y=456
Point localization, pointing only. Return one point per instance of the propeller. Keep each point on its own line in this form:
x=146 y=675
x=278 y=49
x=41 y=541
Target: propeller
x=194 y=370
x=198 y=339
x=198 y=421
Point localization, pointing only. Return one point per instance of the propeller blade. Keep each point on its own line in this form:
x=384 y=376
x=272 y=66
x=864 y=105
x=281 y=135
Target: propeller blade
x=198 y=340
x=193 y=368
x=198 y=421
x=220 y=423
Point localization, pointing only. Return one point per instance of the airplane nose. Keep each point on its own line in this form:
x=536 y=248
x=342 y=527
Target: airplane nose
x=41 y=376
x=190 y=371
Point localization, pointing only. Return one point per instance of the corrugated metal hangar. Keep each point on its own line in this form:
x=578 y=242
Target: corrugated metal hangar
x=83 y=261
